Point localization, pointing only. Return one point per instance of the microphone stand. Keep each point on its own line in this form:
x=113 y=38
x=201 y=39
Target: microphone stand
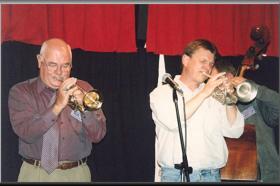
x=184 y=166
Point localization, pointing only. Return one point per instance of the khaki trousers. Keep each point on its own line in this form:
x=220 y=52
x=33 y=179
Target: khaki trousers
x=32 y=173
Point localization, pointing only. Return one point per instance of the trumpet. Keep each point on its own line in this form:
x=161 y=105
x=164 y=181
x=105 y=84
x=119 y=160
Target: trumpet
x=244 y=92
x=92 y=100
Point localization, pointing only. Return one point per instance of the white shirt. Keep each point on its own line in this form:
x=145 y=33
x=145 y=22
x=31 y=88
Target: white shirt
x=206 y=128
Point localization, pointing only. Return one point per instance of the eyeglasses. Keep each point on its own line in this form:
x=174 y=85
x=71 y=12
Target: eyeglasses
x=51 y=66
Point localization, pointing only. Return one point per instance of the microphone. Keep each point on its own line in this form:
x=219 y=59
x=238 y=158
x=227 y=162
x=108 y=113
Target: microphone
x=166 y=78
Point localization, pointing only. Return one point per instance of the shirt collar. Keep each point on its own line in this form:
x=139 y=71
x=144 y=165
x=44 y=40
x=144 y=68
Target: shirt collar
x=41 y=86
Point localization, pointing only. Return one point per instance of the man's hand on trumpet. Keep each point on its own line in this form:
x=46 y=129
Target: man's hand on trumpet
x=79 y=96
x=66 y=89
x=237 y=80
x=213 y=82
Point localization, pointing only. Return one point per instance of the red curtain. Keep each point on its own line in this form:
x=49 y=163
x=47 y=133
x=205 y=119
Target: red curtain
x=111 y=28
x=100 y=28
x=170 y=27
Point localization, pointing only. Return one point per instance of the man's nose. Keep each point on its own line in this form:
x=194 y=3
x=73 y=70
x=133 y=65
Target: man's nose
x=59 y=70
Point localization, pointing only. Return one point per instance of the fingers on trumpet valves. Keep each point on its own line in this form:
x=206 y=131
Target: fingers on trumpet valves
x=69 y=88
x=216 y=76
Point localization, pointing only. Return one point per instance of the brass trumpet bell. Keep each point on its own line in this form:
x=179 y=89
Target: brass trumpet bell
x=246 y=91
x=92 y=100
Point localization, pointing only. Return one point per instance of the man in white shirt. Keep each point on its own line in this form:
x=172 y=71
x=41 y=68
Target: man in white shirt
x=207 y=120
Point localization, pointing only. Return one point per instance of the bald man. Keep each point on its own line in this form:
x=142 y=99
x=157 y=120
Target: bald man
x=39 y=106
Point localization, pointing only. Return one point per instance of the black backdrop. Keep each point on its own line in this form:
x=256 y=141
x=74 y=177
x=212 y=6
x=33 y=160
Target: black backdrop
x=125 y=79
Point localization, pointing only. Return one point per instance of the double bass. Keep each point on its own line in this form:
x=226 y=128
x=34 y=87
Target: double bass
x=242 y=160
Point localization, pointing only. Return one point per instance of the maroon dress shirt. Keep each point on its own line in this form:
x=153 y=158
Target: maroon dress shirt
x=31 y=116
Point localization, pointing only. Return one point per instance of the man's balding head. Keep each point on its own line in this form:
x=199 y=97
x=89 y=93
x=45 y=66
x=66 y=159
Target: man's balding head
x=55 y=44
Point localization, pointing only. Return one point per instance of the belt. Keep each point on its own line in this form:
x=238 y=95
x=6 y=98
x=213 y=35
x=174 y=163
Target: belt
x=63 y=166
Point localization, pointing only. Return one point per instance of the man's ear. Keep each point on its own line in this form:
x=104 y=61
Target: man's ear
x=39 y=60
x=185 y=60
